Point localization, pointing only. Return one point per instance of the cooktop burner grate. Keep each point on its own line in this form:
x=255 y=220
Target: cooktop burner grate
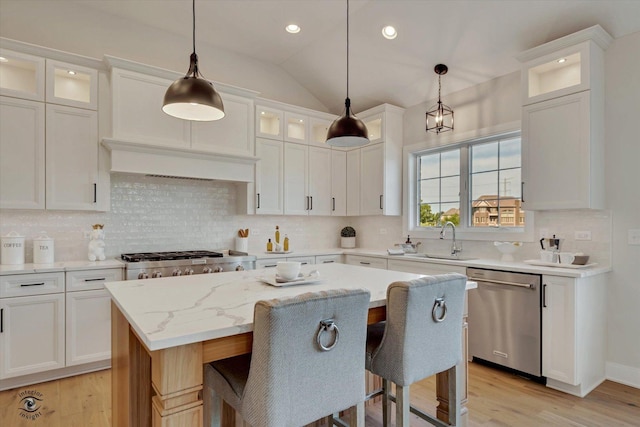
x=165 y=256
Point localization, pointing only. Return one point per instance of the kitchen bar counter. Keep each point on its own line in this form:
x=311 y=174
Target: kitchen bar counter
x=163 y=330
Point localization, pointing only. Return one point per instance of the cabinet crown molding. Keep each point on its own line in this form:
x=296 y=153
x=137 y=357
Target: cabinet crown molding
x=595 y=34
x=47 y=53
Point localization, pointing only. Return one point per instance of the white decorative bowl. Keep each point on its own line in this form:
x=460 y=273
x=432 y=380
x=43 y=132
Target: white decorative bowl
x=507 y=249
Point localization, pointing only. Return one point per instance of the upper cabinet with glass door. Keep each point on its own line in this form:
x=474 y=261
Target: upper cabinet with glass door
x=269 y=123
x=72 y=85
x=21 y=75
x=563 y=67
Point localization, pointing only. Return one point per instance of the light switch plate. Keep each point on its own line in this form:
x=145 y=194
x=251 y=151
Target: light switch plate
x=634 y=237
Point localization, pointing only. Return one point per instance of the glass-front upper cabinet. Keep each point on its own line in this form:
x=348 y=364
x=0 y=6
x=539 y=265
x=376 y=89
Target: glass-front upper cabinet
x=296 y=127
x=318 y=129
x=269 y=123
x=21 y=75
x=374 y=126
x=72 y=85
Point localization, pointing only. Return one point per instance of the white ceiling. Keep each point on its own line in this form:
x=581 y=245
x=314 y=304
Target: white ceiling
x=477 y=39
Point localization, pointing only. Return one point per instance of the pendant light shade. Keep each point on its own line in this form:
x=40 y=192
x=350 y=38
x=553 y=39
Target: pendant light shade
x=192 y=97
x=347 y=130
x=439 y=116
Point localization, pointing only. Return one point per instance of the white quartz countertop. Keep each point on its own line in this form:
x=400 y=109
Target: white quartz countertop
x=6 y=269
x=174 y=311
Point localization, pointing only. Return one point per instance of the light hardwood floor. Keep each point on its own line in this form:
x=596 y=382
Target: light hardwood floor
x=495 y=399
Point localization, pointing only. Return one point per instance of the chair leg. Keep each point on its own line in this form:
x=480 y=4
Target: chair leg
x=386 y=403
x=403 y=405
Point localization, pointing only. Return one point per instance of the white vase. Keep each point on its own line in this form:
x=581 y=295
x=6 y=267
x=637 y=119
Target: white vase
x=347 y=242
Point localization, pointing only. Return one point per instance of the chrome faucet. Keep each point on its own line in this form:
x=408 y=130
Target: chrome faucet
x=455 y=249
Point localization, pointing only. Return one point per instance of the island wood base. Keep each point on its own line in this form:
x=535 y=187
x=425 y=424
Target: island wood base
x=163 y=388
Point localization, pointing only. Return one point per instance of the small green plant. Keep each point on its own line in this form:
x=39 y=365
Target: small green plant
x=348 y=232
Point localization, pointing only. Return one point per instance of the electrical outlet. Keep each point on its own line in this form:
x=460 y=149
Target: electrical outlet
x=583 y=235
x=634 y=237
x=383 y=231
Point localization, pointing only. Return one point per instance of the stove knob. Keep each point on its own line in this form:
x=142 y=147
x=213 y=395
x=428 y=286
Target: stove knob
x=188 y=271
x=143 y=275
x=239 y=268
x=156 y=274
x=218 y=269
x=207 y=270
x=176 y=272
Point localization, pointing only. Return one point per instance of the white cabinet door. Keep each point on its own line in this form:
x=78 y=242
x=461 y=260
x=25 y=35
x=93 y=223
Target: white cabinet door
x=557 y=155
x=22 y=172
x=32 y=334
x=319 y=181
x=137 y=111
x=72 y=85
x=559 y=329
x=296 y=127
x=269 y=123
x=296 y=200
x=269 y=177
x=88 y=326
x=233 y=134
x=372 y=179
x=71 y=158
x=353 y=182
x=22 y=75
x=338 y=183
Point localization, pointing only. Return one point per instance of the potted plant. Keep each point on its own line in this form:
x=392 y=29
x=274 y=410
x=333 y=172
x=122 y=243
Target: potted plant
x=348 y=237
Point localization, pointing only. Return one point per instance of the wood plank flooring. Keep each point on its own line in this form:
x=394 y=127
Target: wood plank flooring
x=496 y=399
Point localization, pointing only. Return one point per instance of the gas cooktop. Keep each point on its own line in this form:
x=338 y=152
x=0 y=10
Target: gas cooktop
x=167 y=256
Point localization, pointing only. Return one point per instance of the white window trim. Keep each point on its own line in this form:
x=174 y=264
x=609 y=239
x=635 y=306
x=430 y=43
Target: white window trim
x=463 y=232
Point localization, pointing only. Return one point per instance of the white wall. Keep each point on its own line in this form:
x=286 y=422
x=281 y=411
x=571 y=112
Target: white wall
x=623 y=196
x=72 y=27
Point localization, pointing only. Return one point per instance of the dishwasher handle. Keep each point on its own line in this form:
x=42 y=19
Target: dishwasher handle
x=502 y=282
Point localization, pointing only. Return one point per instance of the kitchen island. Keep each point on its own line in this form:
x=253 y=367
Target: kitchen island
x=164 y=330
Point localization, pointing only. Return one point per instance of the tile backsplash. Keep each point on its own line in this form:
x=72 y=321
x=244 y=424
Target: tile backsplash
x=161 y=214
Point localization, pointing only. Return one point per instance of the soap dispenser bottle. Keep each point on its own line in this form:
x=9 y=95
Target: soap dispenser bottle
x=277 y=234
x=286 y=243
x=269 y=246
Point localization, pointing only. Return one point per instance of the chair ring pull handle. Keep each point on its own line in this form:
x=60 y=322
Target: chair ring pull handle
x=329 y=326
x=437 y=304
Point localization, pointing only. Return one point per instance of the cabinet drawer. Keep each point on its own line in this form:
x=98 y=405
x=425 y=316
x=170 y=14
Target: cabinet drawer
x=85 y=280
x=19 y=285
x=268 y=262
x=365 y=261
x=328 y=259
x=304 y=260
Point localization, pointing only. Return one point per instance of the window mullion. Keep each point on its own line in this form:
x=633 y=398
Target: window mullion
x=465 y=188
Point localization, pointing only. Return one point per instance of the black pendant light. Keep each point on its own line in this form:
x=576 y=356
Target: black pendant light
x=440 y=116
x=347 y=130
x=192 y=97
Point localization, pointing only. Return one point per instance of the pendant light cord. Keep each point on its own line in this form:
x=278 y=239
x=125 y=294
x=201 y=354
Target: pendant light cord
x=194 y=25
x=347 y=50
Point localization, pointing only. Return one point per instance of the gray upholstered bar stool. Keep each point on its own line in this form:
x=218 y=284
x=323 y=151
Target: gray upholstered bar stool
x=307 y=362
x=422 y=336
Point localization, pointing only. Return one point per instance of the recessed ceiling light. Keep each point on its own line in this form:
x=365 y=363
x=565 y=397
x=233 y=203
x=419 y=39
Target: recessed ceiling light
x=3 y=59
x=292 y=28
x=389 y=32
x=71 y=72
x=561 y=60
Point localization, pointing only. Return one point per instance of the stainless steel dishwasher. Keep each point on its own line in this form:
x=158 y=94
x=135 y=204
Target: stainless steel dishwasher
x=505 y=320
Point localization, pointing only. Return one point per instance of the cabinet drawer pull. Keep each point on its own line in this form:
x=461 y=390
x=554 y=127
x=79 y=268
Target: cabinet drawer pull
x=24 y=285
x=258 y=201
x=101 y=279
x=304 y=263
x=270 y=265
x=334 y=203
x=95 y=192
x=329 y=261
x=381 y=201
x=365 y=263
x=1 y=320
x=311 y=205
x=522 y=191
x=544 y=295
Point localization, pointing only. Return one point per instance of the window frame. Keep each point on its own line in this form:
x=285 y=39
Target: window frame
x=463 y=231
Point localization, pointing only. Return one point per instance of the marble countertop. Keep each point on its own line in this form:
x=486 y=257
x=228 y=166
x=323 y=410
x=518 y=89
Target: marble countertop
x=6 y=269
x=174 y=311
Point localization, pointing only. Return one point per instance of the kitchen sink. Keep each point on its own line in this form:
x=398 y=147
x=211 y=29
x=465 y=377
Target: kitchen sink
x=438 y=256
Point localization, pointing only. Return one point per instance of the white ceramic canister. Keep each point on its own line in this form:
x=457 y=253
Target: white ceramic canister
x=12 y=249
x=43 y=249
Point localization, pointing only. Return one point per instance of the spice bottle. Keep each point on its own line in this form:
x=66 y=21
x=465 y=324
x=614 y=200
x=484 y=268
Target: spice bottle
x=286 y=243
x=277 y=234
x=269 y=246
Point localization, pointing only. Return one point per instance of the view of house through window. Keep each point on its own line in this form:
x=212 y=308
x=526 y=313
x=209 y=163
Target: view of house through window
x=473 y=185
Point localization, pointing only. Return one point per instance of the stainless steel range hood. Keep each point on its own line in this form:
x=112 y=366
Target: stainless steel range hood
x=138 y=158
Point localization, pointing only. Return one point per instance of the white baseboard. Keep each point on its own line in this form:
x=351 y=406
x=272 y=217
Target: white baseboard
x=627 y=375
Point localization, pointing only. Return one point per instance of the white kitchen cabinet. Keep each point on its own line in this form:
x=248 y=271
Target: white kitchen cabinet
x=296 y=127
x=269 y=177
x=22 y=154
x=573 y=333
x=88 y=326
x=234 y=134
x=268 y=262
x=269 y=123
x=372 y=179
x=71 y=85
x=563 y=122
x=31 y=323
x=22 y=75
x=318 y=128
x=338 y=183
x=353 y=182
x=366 y=261
x=320 y=179
x=296 y=198
x=71 y=158
x=329 y=259
x=303 y=260
x=422 y=267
